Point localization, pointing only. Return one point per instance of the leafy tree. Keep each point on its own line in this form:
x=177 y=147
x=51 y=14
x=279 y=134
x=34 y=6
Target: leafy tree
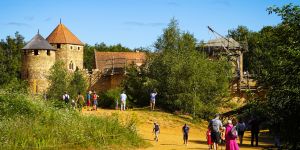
x=78 y=83
x=10 y=58
x=59 y=80
x=277 y=68
x=184 y=78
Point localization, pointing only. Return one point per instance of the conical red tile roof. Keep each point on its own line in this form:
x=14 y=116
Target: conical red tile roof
x=61 y=34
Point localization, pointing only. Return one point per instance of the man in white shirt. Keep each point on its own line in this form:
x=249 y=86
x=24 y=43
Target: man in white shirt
x=123 y=101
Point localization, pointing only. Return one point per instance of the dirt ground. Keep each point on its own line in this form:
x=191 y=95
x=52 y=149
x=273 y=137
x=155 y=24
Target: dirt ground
x=170 y=137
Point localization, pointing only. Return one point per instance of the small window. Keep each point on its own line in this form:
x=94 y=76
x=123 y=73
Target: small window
x=78 y=48
x=36 y=52
x=71 y=47
x=58 y=46
x=71 y=66
x=48 y=52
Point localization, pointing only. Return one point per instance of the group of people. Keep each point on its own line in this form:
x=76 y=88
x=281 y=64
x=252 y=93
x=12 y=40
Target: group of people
x=80 y=101
x=92 y=100
x=217 y=133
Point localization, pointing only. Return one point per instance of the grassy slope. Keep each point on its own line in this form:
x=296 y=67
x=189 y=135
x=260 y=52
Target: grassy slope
x=29 y=122
x=171 y=135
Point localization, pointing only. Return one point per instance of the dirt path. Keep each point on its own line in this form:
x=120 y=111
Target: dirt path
x=171 y=136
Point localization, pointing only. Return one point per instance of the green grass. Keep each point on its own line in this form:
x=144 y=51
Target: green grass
x=28 y=122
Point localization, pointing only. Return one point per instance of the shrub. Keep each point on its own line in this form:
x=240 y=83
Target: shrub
x=109 y=98
x=28 y=123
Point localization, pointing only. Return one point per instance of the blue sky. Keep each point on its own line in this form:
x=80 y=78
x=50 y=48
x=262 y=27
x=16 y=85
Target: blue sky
x=133 y=23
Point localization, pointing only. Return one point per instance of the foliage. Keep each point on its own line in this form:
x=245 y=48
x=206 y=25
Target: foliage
x=138 y=85
x=28 y=122
x=249 y=41
x=78 y=83
x=58 y=80
x=63 y=81
x=109 y=98
x=277 y=66
x=10 y=58
x=184 y=78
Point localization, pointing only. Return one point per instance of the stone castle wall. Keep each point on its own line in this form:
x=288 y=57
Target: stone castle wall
x=70 y=54
x=35 y=69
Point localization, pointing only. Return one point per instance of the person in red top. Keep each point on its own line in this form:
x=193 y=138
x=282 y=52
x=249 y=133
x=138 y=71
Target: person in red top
x=208 y=138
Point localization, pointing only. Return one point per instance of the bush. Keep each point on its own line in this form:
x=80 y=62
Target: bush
x=28 y=123
x=109 y=98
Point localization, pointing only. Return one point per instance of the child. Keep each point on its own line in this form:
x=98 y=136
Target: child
x=156 y=131
x=73 y=104
x=208 y=138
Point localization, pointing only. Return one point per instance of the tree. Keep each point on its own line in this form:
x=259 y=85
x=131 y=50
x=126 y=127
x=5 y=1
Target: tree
x=58 y=80
x=78 y=83
x=183 y=77
x=277 y=60
x=10 y=58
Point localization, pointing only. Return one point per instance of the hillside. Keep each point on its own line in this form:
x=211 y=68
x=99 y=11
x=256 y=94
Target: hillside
x=171 y=135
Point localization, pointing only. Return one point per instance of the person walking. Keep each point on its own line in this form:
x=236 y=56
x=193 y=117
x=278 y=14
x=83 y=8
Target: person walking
x=80 y=101
x=152 y=99
x=254 y=123
x=241 y=129
x=230 y=136
x=66 y=98
x=123 y=97
x=216 y=125
x=185 y=130
x=156 y=131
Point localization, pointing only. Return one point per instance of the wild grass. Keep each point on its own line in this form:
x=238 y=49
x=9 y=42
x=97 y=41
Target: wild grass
x=28 y=122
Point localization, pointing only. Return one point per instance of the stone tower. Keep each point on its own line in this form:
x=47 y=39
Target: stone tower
x=69 y=47
x=37 y=58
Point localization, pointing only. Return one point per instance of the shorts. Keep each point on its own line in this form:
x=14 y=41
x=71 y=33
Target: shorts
x=152 y=101
x=215 y=137
x=88 y=103
x=95 y=102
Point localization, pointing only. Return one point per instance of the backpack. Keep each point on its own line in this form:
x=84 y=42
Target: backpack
x=233 y=132
x=156 y=127
x=67 y=98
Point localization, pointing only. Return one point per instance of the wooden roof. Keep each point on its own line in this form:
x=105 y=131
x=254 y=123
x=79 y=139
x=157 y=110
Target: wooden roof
x=38 y=43
x=61 y=34
x=105 y=60
x=221 y=42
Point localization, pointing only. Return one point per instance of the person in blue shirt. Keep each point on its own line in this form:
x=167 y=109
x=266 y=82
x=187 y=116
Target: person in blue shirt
x=185 y=130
